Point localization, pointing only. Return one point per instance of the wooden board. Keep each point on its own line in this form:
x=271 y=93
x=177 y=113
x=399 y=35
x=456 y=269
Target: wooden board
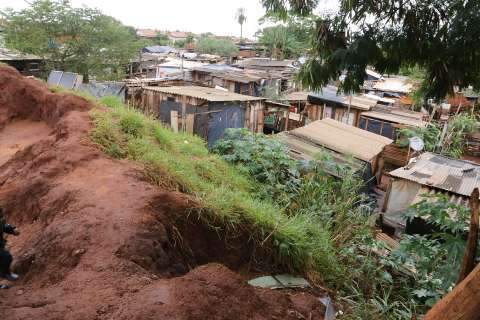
x=190 y=122
x=174 y=120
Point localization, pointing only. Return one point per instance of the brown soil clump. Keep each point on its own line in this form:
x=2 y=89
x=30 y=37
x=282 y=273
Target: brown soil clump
x=96 y=238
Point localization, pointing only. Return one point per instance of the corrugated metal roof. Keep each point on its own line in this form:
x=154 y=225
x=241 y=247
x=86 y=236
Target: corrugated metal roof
x=12 y=55
x=302 y=149
x=394 y=84
x=266 y=63
x=436 y=171
x=297 y=96
x=373 y=74
x=400 y=118
x=209 y=68
x=330 y=94
x=343 y=138
x=209 y=94
x=159 y=49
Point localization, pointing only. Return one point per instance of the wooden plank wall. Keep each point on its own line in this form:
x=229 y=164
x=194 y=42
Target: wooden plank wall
x=150 y=104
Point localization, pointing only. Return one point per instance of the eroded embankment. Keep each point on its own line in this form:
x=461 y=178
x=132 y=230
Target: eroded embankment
x=97 y=240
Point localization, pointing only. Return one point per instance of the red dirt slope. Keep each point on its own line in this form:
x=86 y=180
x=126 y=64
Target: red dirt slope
x=96 y=240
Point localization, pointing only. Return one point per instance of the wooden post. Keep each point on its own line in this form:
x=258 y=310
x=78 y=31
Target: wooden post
x=461 y=303
x=190 y=122
x=381 y=166
x=184 y=112
x=287 y=117
x=468 y=262
x=174 y=120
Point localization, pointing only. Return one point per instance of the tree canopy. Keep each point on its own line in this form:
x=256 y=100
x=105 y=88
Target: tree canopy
x=289 y=39
x=439 y=36
x=81 y=40
x=221 y=47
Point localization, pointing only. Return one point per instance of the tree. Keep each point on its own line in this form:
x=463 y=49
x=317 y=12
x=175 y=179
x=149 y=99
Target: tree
x=287 y=40
x=221 y=47
x=81 y=40
x=180 y=43
x=279 y=42
x=162 y=39
x=190 y=38
x=241 y=18
x=439 y=36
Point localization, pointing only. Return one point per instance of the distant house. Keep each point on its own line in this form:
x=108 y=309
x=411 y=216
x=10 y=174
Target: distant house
x=287 y=113
x=147 y=33
x=343 y=142
x=176 y=36
x=232 y=79
x=206 y=112
x=428 y=174
x=344 y=108
x=26 y=64
x=246 y=50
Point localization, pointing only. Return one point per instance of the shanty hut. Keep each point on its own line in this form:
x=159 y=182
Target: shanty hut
x=26 y=64
x=232 y=79
x=428 y=174
x=386 y=121
x=329 y=104
x=206 y=112
x=341 y=140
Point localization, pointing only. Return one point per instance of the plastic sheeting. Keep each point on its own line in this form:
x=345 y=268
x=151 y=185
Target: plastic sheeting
x=402 y=195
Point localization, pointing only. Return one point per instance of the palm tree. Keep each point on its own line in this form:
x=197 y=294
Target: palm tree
x=241 y=18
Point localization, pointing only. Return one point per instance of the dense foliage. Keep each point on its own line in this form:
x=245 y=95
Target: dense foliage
x=434 y=260
x=439 y=36
x=221 y=47
x=451 y=144
x=81 y=40
x=376 y=286
x=265 y=160
x=308 y=189
x=288 y=40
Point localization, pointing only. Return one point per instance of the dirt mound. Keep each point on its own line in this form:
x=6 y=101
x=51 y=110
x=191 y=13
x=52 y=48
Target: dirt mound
x=97 y=240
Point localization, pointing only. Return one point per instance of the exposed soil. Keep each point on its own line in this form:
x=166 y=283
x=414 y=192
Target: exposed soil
x=97 y=240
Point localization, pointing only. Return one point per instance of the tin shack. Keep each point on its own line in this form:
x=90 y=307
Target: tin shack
x=345 y=144
x=429 y=174
x=203 y=111
x=328 y=103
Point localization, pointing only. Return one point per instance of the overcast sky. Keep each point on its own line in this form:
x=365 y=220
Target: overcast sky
x=216 y=16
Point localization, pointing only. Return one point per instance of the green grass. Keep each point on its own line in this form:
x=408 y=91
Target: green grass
x=227 y=199
x=82 y=94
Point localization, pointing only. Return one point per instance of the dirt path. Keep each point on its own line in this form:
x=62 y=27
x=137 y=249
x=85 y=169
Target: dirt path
x=97 y=240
